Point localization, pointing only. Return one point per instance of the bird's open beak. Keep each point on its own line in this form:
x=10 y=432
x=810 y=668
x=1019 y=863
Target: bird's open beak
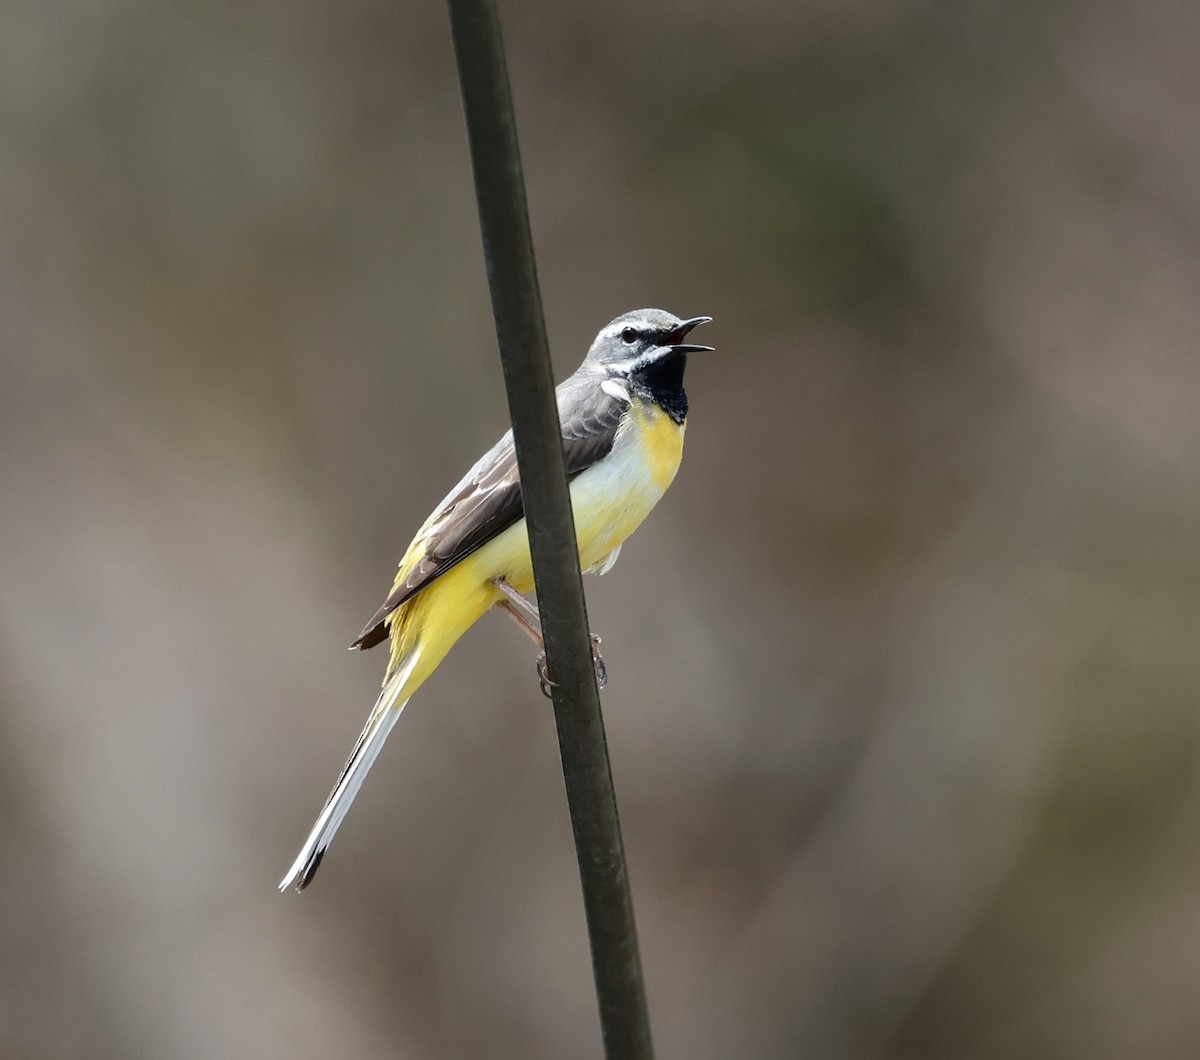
x=673 y=338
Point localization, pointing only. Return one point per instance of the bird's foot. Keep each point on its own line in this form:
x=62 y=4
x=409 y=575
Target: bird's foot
x=544 y=681
x=598 y=663
x=543 y=673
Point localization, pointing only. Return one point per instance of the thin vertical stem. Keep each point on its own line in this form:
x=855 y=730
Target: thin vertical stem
x=528 y=378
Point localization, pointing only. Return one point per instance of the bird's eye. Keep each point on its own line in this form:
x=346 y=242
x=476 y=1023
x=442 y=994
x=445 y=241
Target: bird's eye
x=629 y=336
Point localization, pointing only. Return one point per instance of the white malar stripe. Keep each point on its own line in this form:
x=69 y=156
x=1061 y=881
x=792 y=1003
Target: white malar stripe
x=623 y=367
x=370 y=743
x=615 y=389
x=634 y=364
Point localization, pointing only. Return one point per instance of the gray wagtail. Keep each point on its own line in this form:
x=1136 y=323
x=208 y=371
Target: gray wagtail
x=623 y=415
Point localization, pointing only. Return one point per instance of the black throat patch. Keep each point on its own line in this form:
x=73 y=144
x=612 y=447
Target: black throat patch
x=662 y=382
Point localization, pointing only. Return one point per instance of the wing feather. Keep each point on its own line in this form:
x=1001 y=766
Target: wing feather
x=488 y=499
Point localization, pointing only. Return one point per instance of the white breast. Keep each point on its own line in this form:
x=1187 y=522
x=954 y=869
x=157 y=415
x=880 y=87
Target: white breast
x=611 y=498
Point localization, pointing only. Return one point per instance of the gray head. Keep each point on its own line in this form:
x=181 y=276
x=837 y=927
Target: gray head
x=643 y=354
x=635 y=341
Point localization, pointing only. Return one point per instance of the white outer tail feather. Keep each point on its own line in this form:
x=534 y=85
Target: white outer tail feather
x=387 y=709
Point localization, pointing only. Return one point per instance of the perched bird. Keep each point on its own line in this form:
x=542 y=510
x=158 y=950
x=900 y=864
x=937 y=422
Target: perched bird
x=622 y=414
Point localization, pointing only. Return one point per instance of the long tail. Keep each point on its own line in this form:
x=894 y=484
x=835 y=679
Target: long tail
x=387 y=709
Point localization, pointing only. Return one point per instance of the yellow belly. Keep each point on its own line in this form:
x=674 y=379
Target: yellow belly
x=609 y=499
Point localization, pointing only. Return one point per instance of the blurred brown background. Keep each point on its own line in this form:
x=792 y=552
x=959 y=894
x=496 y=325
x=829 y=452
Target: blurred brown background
x=904 y=669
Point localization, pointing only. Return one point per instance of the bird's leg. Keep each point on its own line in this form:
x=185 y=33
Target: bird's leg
x=527 y=617
x=521 y=611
